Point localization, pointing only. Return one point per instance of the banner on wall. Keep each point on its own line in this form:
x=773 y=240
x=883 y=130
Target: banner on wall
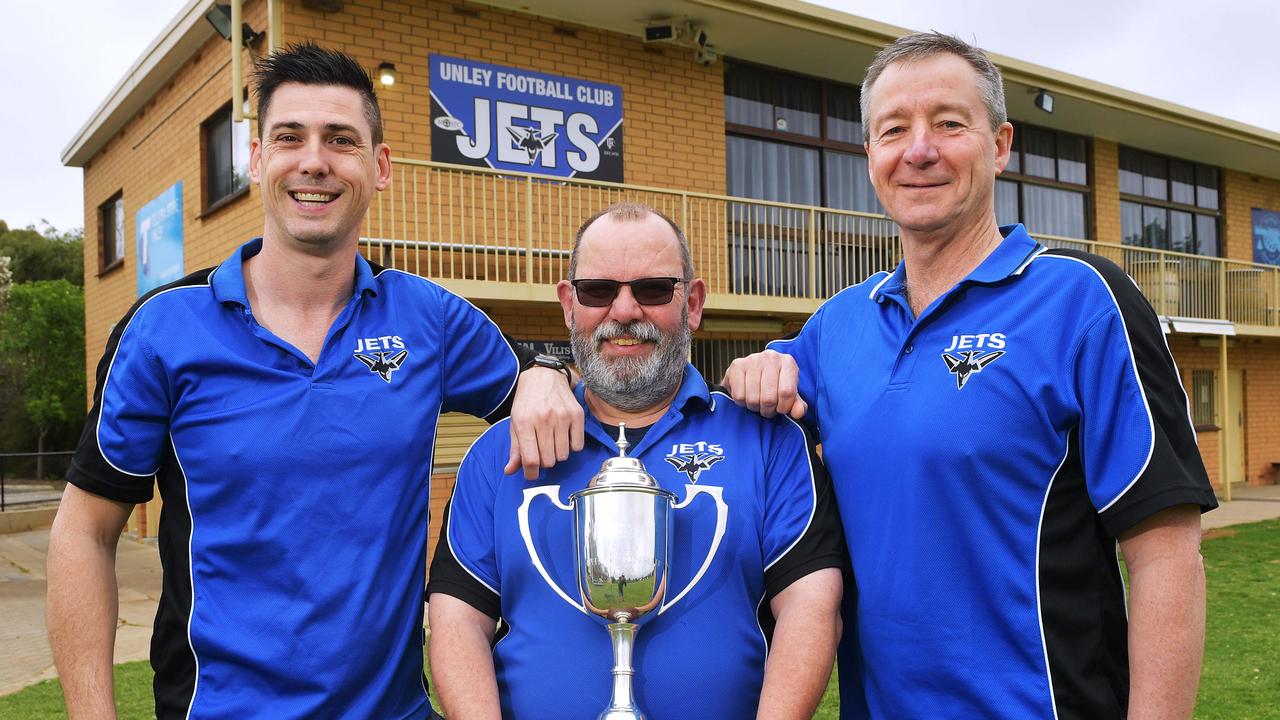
x=511 y=119
x=159 y=234
x=1266 y=236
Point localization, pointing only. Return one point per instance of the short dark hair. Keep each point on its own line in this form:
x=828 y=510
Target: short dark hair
x=632 y=212
x=310 y=64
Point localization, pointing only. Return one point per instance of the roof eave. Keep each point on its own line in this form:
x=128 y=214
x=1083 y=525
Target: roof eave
x=179 y=40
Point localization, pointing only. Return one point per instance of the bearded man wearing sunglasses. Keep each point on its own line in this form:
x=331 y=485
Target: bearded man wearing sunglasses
x=755 y=634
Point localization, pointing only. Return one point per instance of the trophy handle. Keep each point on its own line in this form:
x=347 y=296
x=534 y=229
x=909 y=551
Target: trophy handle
x=553 y=493
x=722 y=519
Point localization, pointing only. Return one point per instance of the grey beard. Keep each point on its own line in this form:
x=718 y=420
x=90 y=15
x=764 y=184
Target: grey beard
x=632 y=384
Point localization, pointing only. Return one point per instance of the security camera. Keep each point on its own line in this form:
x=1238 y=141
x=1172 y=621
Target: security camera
x=664 y=32
x=705 y=55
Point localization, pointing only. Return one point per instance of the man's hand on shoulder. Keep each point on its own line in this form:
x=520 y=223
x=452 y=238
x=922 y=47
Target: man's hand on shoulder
x=766 y=382
x=546 y=421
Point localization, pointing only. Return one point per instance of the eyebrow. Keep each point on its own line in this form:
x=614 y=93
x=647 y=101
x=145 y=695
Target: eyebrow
x=945 y=107
x=329 y=127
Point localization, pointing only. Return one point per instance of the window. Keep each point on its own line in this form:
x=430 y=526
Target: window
x=1168 y=204
x=226 y=157
x=712 y=356
x=111 y=230
x=1203 y=411
x=1045 y=185
x=794 y=139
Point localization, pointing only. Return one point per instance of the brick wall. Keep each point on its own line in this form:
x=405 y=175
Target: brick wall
x=157 y=147
x=673 y=109
x=1241 y=193
x=1106 y=191
x=673 y=114
x=1259 y=360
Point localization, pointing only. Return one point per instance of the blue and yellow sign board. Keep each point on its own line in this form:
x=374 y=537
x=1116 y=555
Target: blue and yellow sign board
x=511 y=119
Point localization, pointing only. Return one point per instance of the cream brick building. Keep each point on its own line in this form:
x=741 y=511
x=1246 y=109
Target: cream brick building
x=744 y=128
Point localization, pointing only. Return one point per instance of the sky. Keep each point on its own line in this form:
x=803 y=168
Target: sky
x=61 y=58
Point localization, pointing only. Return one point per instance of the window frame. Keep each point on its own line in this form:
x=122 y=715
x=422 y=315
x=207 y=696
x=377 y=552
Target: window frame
x=1198 y=420
x=208 y=205
x=1020 y=177
x=1168 y=205
x=111 y=215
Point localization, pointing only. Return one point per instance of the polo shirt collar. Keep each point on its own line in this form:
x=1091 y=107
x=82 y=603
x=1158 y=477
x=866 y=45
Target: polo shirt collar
x=228 y=279
x=1006 y=260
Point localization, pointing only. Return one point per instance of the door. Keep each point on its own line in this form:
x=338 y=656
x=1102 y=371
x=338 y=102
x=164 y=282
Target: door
x=1234 y=426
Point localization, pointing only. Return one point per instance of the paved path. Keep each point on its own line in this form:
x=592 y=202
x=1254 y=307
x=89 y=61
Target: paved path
x=24 y=648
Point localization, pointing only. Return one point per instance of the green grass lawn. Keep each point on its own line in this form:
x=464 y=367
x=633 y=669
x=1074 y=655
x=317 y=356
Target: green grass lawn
x=1241 y=678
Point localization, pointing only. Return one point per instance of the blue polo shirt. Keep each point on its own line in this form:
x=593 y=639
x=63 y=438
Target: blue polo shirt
x=703 y=654
x=985 y=457
x=295 y=494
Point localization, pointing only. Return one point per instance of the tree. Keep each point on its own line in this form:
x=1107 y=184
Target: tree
x=45 y=254
x=42 y=348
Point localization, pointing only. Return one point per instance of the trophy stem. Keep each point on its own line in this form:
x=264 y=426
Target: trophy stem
x=622 y=706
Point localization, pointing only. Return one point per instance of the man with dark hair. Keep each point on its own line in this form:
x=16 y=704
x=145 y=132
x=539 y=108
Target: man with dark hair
x=748 y=632
x=285 y=402
x=996 y=416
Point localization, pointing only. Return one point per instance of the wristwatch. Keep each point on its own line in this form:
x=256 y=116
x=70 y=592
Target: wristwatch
x=554 y=363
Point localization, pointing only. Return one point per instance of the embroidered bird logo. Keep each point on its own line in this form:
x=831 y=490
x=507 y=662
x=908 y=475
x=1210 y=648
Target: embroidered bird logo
x=382 y=364
x=963 y=367
x=532 y=141
x=693 y=465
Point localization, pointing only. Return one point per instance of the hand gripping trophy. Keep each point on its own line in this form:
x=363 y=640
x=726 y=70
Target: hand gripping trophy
x=622 y=531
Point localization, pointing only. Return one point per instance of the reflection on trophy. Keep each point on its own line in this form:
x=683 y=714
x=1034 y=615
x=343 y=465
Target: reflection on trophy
x=621 y=535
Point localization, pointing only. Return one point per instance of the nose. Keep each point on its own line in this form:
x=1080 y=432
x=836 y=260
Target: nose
x=624 y=308
x=921 y=151
x=314 y=161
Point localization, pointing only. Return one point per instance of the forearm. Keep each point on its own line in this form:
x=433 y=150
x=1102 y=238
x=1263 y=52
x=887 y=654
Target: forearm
x=803 y=650
x=1166 y=613
x=1166 y=637
x=462 y=660
x=81 y=615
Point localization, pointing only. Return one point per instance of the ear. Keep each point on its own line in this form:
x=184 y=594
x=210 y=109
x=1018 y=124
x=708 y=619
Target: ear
x=255 y=156
x=382 y=156
x=564 y=291
x=696 y=300
x=1004 y=145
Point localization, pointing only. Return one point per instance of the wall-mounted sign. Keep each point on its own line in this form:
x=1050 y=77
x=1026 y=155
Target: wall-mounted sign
x=1266 y=236
x=159 y=234
x=512 y=119
x=555 y=348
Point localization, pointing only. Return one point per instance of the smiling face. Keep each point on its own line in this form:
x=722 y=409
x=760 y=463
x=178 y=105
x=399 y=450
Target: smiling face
x=317 y=165
x=632 y=355
x=932 y=154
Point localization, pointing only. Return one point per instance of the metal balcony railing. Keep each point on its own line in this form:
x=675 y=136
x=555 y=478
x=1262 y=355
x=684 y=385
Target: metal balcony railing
x=498 y=234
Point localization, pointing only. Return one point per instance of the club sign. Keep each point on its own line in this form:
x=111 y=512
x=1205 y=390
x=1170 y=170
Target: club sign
x=512 y=119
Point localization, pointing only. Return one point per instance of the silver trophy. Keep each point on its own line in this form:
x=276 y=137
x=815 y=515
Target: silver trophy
x=622 y=531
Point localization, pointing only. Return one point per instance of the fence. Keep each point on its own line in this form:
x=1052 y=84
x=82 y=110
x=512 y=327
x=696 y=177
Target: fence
x=511 y=232
x=32 y=478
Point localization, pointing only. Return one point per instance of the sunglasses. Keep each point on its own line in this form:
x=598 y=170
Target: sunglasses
x=646 y=291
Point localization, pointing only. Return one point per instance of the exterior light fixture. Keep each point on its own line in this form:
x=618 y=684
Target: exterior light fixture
x=219 y=16
x=387 y=74
x=1044 y=101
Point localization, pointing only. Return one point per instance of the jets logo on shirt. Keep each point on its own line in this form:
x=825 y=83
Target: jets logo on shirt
x=693 y=459
x=382 y=355
x=969 y=354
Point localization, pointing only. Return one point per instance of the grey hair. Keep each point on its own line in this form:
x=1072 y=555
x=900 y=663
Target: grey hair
x=918 y=46
x=632 y=212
